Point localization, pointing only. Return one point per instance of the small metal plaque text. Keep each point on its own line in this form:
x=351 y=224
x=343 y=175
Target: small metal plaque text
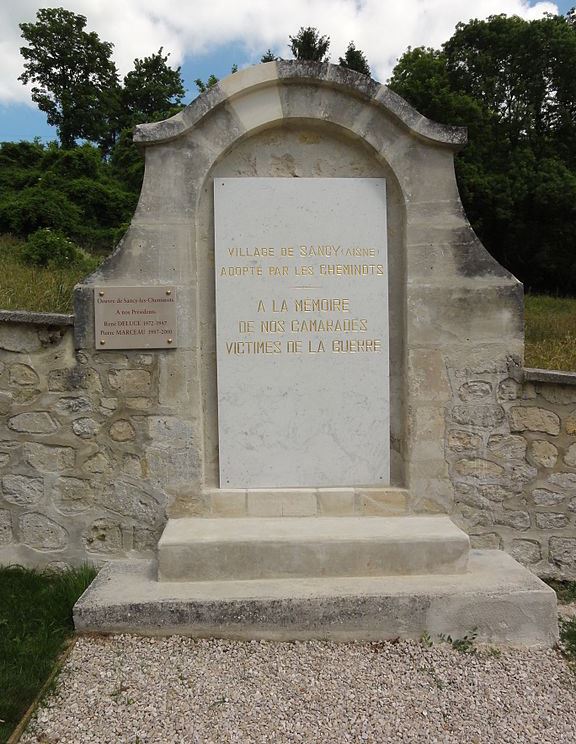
x=135 y=317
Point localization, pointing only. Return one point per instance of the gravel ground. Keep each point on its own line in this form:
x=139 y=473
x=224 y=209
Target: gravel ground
x=131 y=689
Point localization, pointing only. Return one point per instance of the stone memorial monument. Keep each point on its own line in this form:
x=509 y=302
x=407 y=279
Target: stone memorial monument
x=317 y=316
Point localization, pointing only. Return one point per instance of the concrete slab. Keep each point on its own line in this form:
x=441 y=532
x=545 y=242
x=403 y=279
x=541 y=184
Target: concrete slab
x=497 y=596
x=199 y=549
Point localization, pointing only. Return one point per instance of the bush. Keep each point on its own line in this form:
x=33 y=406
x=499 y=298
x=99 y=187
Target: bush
x=51 y=248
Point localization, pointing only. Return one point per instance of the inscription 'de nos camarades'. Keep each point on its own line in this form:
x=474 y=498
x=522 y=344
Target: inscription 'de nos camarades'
x=135 y=317
x=302 y=331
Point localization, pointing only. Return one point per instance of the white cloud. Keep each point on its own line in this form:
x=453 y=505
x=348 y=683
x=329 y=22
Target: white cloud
x=381 y=28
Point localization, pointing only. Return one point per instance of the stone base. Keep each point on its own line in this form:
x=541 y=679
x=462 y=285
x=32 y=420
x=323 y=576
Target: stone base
x=299 y=547
x=503 y=601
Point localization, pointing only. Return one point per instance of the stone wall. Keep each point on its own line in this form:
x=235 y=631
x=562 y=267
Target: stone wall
x=511 y=448
x=78 y=474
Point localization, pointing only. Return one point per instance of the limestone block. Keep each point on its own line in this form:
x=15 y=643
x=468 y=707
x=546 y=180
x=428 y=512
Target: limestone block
x=570 y=424
x=486 y=541
x=485 y=416
x=478 y=468
x=103 y=536
x=299 y=503
x=122 y=431
x=19 y=337
x=98 y=463
x=377 y=502
x=74 y=378
x=544 y=497
x=130 y=382
x=74 y=405
x=428 y=377
x=475 y=390
x=6 y=533
x=228 y=504
x=563 y=552
x=22 y=489
x=507 y=446
x=551 y=521
x=49 y=458
x=33 y=422
x=509 y=389
x=22 y=375
x=544 y=453
x=38 y=531
x=517 y=520
x=72 y=495
x=139 y=502
x=85 y=428
x=461 y=441
x=532 y=418
x=570 y=456
x=526 y=551
x=336 y=502
x=566 y=481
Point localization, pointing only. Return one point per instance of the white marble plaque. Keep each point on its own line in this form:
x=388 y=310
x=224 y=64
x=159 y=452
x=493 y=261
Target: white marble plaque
x=302 y=332
x=135 y=317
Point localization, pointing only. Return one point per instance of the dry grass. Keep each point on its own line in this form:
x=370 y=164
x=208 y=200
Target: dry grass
x=31 y=288
x=550 y=332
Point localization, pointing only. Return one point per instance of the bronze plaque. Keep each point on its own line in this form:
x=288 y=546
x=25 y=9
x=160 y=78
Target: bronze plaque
x=135 y=317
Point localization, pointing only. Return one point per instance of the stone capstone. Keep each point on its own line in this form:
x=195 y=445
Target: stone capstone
x=38 y=531
x=22 y=489
x=532 y=418
x=34 y=422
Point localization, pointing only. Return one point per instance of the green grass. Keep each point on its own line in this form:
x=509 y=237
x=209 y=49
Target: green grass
x=565 y=590
x=47 y=290
x=550 y=332
x=35 y=622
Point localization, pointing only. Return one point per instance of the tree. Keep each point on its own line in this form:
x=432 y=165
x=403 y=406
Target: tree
x=309 y=45
x=268 y=56
x=75 y=79
x=151 y=88
x=354 y=59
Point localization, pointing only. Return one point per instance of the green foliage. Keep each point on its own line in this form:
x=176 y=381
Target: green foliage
x=204 y=86
x=48 y=248
x=74 y=77
x=309 y=45
x=35 y=621
x=565 y=590
x=268 y=56
x=465 y=645
x=354 y=59
x=511 y=83
x=568 y=638
x=550 y=332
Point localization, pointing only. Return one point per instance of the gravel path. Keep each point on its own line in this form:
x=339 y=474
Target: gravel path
x=163 y=690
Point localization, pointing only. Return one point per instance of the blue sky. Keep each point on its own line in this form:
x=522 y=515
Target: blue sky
x=221 y=34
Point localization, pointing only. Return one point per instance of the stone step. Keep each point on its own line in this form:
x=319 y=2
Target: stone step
x=496 y=597
x=200 y=549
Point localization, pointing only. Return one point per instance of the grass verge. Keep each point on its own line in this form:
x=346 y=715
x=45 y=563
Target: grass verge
x=550 y=332
x=35 y=622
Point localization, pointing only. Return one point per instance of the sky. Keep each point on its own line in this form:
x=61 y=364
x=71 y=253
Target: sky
x=209 y=36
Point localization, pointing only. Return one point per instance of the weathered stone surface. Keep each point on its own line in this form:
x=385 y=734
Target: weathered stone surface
x=532 y=418
x=132 y=465
x=138 y=502
x=560 y=394
x=563 y=480
x=85 y=428
x=19 y=337
x=509 y=389
x=507 y=446
x=130 y=382
x=139 y=404
x=144 y=359
x=563 y=552
x=486 y=541
x=25 y=395
x=72 y=495
x=521 y=473
x=74 y=378
x=6 y=532
x=517 y=520
x=145 y=539
x=23 y=375
x=38 y=531
x=4 y=459
x=478 y=468
x=570 y=424
x=551 y=521
x=103 y=536
x=33 y=422
x=495 y=492
x=74 y=405
x=49 y=458
x=543 y=453
x=108 y=405
x=526 y=551
x=543 y=497
x=570 y=456
x=472 y=498
x=98 y=463
x=122 y=431
x=486 y=416
x=572 y=505
x=22 y=489
x=462 y=441
x=475 y=390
